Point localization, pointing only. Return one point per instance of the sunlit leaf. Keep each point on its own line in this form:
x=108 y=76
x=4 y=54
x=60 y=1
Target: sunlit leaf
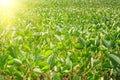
x=3 y=60
x=116 y=58
x=106 y=43
x=17 y=61
x=18 y=73
x=48 y=52
x=79 y=46
x=97 y=42
x=37 y=70
x=51 y=60
x=82 y=41
x=68 y=62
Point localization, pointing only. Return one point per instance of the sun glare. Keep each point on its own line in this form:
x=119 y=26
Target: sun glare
x=5 y=2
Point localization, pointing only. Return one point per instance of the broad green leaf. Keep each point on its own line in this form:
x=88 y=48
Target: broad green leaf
x=106 y=43
x=42 y=64
x=17 y=61
x=82 y=41
x=103 y=48
x=12 y=53
x=118 y=41
x=17 y=73
x=97 y=41
x=3 y=60
x=116 y=58
x=88 y=43
x=45 y=69
x=60 y=47
x=79 y=46
x=57 y=37
x=97 y=62
x=11 y=61
x=92 y=41
x=37 y=70
x=48 y=53
x=68 y=62
x=66 y=71
x=51 y=60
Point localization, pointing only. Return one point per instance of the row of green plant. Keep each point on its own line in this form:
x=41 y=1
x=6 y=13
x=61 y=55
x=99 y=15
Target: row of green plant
x=47 y=42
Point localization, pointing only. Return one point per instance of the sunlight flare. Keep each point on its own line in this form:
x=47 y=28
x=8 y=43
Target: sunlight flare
x=5 y=2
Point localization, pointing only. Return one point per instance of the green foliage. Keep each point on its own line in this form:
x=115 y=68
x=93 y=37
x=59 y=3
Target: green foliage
x=51 y=60
x=60 y=40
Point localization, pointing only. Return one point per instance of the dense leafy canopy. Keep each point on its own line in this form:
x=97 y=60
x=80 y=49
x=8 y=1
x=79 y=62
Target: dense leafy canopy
x=60 y=40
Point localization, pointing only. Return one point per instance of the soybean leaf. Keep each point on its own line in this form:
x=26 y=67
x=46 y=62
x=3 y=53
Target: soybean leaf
x=3 y=60
x=68 y=62
x=51 y=60
x=106 y=43
x=37 y=70
x=97 y=41
x=17 y=73
x=82 y=41
x=114 y=57
x=79 y=46
x=17 y=62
